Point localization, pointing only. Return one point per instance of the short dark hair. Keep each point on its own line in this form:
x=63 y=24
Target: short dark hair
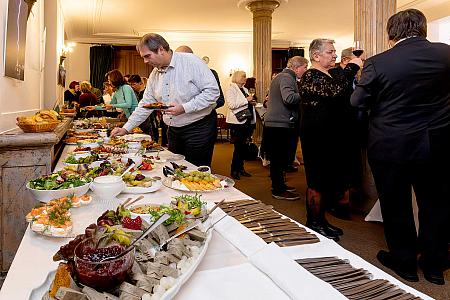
x=406 y=23
x=116 y=78
x=73 y=84
x=153 y=41
x=135 y=78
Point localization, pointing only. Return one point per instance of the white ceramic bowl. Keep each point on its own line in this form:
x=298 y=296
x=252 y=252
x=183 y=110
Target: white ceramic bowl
x=81 y=154
x=107 y=187
x=136 y=158
x=134 y=145
x=147 y=217
x=47 y=195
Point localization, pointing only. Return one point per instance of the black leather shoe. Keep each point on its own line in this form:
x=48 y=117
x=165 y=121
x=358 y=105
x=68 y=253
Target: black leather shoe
x=433 y=276
x=245 y=174
x=334 y=229
x=341 y=211
x=319 y=228
x=290 y=188
x=291 y=169
x=408 y=273
x=235 y=175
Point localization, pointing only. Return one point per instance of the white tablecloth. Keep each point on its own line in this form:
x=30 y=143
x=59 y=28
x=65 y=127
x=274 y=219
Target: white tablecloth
x=233 y=267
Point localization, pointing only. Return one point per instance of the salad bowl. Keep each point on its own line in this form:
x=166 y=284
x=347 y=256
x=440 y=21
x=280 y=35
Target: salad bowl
x=45 y=195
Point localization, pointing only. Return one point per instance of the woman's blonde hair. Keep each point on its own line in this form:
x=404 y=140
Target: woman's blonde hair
x=236 y=75
x=85 y=86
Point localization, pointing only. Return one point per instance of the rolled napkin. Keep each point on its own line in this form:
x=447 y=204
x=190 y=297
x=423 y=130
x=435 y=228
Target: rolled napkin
x=290 y=277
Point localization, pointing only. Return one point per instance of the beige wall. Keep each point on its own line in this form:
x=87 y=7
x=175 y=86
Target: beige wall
x=22 y=97
x=54 y=26
x=77 y=64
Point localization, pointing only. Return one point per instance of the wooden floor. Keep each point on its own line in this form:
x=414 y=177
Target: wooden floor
x=362 y=238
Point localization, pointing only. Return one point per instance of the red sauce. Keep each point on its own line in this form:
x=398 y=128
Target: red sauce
x=102 y=276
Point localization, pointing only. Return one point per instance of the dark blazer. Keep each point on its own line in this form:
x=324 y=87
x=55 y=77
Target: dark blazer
x=407 y=92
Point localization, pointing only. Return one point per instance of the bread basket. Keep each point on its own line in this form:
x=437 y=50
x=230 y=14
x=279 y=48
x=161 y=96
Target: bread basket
x=38 y=127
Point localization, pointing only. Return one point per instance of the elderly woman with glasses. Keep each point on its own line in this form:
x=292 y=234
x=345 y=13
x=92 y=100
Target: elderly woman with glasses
x=324 y=99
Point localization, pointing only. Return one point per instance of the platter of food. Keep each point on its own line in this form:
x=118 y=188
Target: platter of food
x=156 y=105
x=53 y=219
x=155 y=268
x=196 y=181
x=138 y=183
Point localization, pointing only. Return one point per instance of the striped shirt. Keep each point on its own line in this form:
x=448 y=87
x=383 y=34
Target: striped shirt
x=186 y=81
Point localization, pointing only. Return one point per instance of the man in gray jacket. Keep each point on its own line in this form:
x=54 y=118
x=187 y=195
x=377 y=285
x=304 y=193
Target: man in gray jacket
x=280 y=118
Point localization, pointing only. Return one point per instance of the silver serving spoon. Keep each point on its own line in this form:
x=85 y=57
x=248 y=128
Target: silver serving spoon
x=128 y=169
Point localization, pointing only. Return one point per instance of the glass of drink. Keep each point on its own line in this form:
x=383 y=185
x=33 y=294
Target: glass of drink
x=357 y=49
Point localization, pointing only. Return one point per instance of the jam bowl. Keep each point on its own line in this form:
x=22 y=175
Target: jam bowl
x=102 y=276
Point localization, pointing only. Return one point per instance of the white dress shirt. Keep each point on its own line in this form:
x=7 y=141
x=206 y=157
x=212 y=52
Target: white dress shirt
x=186 y=81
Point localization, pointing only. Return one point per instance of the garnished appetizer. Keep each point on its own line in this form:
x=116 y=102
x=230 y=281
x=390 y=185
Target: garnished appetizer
x=137 y=179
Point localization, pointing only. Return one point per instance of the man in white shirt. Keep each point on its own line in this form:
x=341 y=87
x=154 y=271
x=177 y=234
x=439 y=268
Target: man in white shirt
x=183 y=82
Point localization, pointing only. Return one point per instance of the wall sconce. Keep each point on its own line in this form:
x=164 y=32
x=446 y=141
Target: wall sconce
x=65 y=50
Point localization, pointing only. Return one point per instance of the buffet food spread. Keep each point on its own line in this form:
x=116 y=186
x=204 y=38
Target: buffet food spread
x=83 y=241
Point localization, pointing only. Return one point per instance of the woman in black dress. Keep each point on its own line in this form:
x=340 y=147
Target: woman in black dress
x=324 y=132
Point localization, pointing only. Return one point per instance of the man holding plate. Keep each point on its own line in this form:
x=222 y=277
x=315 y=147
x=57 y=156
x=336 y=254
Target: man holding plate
x=185 y=86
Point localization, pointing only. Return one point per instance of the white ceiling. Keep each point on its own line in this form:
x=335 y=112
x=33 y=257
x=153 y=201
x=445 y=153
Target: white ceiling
x=294 y=22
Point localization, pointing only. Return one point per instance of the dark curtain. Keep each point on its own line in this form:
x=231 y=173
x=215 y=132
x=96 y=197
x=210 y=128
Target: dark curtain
x=101 y=58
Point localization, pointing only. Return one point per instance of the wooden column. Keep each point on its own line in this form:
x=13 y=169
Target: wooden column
x=370 y=24
x=262 y=43
x=262 y=50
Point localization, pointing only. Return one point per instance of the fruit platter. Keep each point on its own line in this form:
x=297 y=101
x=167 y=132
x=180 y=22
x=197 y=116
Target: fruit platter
x=101 y=264
x=196 y=181
x=54 y=218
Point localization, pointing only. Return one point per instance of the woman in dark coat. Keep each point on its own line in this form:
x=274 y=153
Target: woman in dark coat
x=324 y=132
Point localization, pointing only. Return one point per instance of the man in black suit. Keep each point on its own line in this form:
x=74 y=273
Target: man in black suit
x=407 y=93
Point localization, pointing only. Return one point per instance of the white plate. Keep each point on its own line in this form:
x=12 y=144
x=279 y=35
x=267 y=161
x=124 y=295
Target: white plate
x=177 y=185
x=38 y=292
x=136 y=137
x=156 y=185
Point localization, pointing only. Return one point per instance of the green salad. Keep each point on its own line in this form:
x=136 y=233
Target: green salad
x=58 y=181
x=82 y=160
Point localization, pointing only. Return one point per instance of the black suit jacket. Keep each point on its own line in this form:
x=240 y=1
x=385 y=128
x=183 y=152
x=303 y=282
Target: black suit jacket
x=407 y=92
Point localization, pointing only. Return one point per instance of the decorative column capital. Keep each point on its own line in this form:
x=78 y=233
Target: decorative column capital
x=260 y=7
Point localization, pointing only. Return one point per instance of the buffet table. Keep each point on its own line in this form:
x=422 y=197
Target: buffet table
x=237 y=265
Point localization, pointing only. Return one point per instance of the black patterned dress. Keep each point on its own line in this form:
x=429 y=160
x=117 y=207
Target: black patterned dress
x=325 y=128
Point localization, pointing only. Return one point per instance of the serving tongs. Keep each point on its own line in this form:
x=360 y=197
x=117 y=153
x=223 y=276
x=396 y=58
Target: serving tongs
x=192 y=226
x=158 y=222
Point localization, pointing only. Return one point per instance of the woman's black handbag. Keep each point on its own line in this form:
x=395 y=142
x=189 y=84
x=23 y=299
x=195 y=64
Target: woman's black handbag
x=243 y=115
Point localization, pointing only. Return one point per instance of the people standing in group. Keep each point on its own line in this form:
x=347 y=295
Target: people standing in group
x=124 y=96
x=324 y=136
x=279 y=123
x=406 y=91
x=184 y=83
x=242 y=119
x=72 y=95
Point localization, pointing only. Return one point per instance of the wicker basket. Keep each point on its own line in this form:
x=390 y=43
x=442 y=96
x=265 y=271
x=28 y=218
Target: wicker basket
x=38 y=127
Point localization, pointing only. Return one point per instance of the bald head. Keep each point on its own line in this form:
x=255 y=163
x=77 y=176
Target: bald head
x=185 y=49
